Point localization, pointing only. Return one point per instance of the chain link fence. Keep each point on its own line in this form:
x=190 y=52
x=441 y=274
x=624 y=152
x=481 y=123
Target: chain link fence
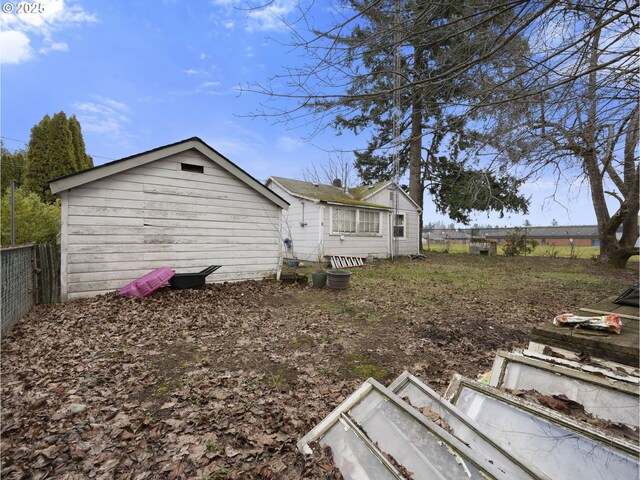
x=30 y=275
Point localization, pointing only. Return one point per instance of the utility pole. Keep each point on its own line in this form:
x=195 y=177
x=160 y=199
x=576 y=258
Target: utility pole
x=13 y=213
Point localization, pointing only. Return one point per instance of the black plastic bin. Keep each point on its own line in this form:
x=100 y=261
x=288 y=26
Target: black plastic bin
x=192 y=280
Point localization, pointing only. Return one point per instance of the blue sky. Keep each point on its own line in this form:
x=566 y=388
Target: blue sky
x=141 y=74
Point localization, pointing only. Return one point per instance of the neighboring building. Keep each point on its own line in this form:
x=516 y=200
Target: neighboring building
x=183 y=205
x=582 y=235
x=326 y=220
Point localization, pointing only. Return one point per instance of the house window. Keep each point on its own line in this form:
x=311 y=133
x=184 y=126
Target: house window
x=355 y=221
x=399 y=226
x=368 y=222
x=344 y=220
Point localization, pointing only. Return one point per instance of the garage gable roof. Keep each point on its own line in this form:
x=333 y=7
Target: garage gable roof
x=101 y=171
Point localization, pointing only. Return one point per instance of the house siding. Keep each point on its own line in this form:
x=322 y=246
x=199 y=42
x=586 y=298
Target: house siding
x=411 y=243
x=305 y=238
x=120 y=227
x=376 y=246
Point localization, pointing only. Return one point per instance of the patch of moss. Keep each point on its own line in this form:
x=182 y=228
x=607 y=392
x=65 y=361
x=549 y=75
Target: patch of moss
x=303 y=341
x=363 y=367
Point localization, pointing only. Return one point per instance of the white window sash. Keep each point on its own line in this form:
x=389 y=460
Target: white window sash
x=367 y=222
x=400 y=225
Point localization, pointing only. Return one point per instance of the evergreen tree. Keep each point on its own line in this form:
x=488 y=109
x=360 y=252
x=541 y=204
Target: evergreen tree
x=56 y=148
x=385 y=62
x=12 y=166
x=62 y=158
x=37 y=164
x=82 y=159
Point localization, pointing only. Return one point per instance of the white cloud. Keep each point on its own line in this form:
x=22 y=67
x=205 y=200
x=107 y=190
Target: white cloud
x=209 y=84
x=269 y=17
x=289 y=144
x=21 y=29
x=14 y=47
x=55 y=47
x=191 y=71
x=104 y=116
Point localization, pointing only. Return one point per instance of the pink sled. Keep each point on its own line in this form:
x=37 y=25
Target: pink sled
x=147 y=284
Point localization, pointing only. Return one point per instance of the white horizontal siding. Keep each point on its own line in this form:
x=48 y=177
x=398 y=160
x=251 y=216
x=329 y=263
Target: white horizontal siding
x=305 y=238
x=411 y=243
x=356 y=245
x=383 y=198
x=123 y=226
x=89 y=289
x=229 y=246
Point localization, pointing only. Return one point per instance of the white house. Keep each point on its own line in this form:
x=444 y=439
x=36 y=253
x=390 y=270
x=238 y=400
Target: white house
x=183 y=205
x=327 y=220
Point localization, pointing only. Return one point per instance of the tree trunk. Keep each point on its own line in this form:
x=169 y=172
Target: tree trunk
x=612 y=251
x=416 y=186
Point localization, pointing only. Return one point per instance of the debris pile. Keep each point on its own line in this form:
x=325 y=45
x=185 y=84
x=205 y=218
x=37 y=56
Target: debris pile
x=610 y=323
x=540 y=417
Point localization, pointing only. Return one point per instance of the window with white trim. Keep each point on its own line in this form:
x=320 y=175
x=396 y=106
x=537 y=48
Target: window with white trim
x=399 y=226
x=344 y=220
x=368 y=222
x=355 y=221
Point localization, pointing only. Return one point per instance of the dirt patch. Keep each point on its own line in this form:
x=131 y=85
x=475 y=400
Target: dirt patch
x=222 y=382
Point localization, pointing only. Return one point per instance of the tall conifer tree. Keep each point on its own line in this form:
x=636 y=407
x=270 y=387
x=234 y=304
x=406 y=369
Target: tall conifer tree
x=56 y=148
x=37 y=164
x=82 y=159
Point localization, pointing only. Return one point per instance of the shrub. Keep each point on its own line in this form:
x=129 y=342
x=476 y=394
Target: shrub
x=36 y=221
x=552 y=251
x=516 y=243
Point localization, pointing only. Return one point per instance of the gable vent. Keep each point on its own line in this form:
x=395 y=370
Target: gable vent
x=189 y=167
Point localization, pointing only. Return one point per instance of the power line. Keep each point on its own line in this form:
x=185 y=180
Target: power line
x=27 y=143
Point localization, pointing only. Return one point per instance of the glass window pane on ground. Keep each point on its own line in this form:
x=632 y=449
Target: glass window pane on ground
x=560 y=453
x=409 y=443
x=421 y=397
x=352 y=456
x=600 y=401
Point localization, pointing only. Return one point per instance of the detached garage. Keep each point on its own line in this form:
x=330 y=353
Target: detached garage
x=183 y=205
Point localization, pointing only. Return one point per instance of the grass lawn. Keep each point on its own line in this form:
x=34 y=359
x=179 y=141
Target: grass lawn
x=222 y=382
x=550 y=251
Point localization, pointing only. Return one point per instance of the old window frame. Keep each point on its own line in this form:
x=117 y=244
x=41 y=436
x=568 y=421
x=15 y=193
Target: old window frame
x=397 y=226
x=341 y=414
x=463 y=428
x=594 y=392
x=359 y=223
x=542 y=416
x=368 y=222
x=337 y=221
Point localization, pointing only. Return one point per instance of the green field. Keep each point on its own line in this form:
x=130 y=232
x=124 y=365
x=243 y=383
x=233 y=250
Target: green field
x=550 y=251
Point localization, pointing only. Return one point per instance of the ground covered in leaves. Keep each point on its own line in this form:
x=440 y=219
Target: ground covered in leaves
x=222 y=382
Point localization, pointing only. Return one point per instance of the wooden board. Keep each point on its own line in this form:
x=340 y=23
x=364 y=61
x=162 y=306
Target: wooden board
x=622 y=348
x=345 y=261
